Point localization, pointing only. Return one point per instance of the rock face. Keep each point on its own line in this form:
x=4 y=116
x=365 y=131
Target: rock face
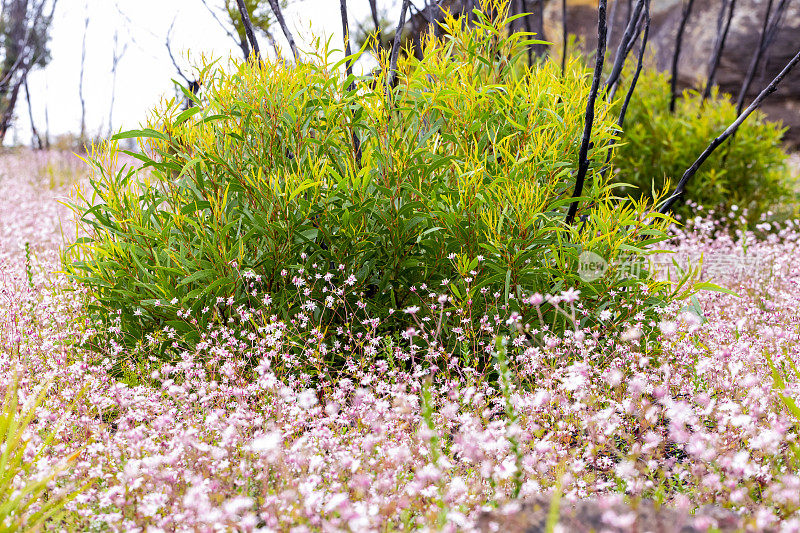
x=698 y=45
x=609 y=515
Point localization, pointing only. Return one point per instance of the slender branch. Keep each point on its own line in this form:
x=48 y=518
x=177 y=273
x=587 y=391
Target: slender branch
x=46 y=118
x=639 y=61
x=272 y=42
x=276 y=9
x=192 y=85
x=751 y=69
x=612 y=17
x=222 y=24
x=680 y=189
x=172 y=57
x=623 y=49
x=115 y=59
x=528 y=28
x=564 y=36
x=644 y=28
x=687 y=10
x=80 y=79
x=248 y=30
x=775 y=22
x=539 y=49
x=36 y=139
x=396 y=46
x=583 y=160
x=373 y=7
x=25 y=58
x=349 y=70
x=719 y=46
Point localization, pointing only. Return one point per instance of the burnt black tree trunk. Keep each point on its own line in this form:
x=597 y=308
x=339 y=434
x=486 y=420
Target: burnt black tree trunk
x=529 y=29
x=768 y=29
x=687 y=11
x=680 y=188
x=565 y=35
x=192 y=86
x=248 y=31
x=373 y=7
x=535 y=24
x=349 y=69
x=642 y=28
x=639 y=61
x=276 y=10
x=36 y=139
x=583 y=159
x=396 y=47
x=23 y=40
x=719 y=46
x=624 y=47
x=82 y=139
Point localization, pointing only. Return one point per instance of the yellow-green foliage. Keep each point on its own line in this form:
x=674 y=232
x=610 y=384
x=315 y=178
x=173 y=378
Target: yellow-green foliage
x=26 y=501
x=470 y=155
x=658 y=146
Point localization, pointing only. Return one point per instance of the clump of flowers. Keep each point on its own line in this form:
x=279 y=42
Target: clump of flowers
x=459 y=413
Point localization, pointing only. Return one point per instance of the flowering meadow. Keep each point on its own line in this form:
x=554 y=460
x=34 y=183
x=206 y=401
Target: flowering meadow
x=229 y=437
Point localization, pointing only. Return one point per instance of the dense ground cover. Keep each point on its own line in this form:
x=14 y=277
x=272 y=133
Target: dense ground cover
x=211 y=442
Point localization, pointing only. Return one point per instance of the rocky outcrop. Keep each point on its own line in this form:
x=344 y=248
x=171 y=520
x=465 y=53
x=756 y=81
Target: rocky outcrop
x=698 y=45
x=610 y=515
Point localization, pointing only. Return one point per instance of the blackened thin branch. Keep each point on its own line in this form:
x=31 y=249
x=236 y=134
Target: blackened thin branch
x=687 y=10
x=583 y=159
x=349 y=69
x=639 y=61
x=168 y=43
x=346 y=36
x=222 y=24
x=718 y=47
x=680 y=189
x=396 y=46
x=248 y=30
x=775 y=22
x=612 y=20
x=276 y=9
x=624 y=46
x=528 y=28
x=565 y=36
x=645 y=29
x=751 y=69
x=36 y=139
x=373 y=7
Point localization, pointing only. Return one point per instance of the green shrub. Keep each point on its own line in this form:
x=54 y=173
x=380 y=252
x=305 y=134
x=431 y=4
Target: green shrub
x=658 y=146
x=470 y=155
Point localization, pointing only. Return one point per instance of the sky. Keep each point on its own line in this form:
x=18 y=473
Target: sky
x=144 y=71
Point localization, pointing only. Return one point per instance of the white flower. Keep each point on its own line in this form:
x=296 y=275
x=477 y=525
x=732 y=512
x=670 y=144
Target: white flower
x=668 y=328
x=267 y=443
x=570 y=295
